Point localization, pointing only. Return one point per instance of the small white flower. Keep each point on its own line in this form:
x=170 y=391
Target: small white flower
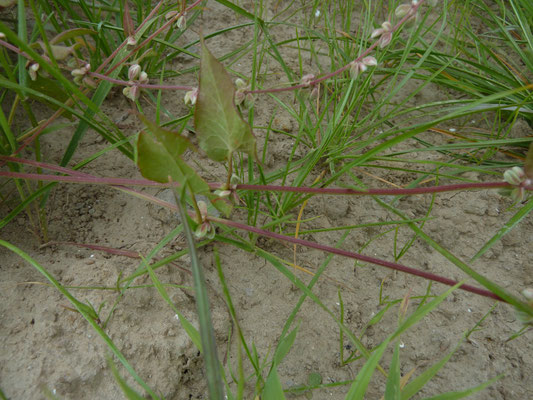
x=384 y=33
x=134 y=71
x=402 y=10
x=32 y=71
x=307 y=79
x=143 y=77
x=132 y=92
x=357 y=67
x=514 y=176
x=191 y=96
x=370 y=61
x=181 y=22
x=131 y=41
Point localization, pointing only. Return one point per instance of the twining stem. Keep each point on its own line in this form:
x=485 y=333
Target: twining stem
x=356 y=256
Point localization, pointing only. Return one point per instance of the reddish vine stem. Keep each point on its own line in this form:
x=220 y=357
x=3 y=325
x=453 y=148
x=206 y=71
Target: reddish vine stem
x=356 y=256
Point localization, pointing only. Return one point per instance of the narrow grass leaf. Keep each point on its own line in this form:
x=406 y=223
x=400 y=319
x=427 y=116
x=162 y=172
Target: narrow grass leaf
x=192 y=332
x=83 y=311
x=464 y=393
x=420 y=381
x=494 y=288
x=392 y=389
x=128 y=391
x=505 y=229
x=358 y=389
x=207 y=334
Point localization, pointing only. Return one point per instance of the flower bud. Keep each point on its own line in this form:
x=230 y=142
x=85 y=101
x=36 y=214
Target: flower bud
x=307 y=79
x=131 y=41
x=239 y=97
x=235 y=180
x=181 y=22
x=402 y=10
x=191 y=96
x=134 y=71
x=89 y=82
x=202 y=230
x=222 y=193
x=370 y=61
x=32 y=71
x=528 y=293
x=143 y=77
x=132 y=92
x=514 y=176
x=171 y=14
x=249 y=101
x=240 y=84
x=78 y=72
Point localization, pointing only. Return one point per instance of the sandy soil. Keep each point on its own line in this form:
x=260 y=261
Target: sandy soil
x=47 y=346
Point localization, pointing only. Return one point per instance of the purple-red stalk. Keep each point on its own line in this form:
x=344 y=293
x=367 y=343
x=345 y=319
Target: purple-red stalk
x=356 y=256
x=91 y=179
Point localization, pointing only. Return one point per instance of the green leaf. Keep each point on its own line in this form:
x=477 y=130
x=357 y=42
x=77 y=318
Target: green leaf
x=273 y=389
x=219 y=126
x=159 y=158
x=71 y=34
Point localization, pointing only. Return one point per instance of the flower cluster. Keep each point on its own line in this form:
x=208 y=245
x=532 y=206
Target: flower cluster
x=517 y=177
x=81 y=76
x=136 y=76
x=357 y=67
x=181 y=22
x=384 y=34
x=241 y=95
x=204 y=229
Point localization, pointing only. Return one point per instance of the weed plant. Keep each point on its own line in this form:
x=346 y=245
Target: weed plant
x=352 y=95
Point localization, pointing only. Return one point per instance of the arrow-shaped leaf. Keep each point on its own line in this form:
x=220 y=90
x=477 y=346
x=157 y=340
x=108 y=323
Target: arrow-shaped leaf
x=159 y=157
x=220 y=128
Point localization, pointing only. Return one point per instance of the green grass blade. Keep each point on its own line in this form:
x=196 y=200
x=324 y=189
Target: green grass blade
x=214 y=378
x=83 y=310
x=420 y=381
x=392 y=389
x=463 y=266
x=464 y=393
x=358 y=389
x=192 y=332
x=128 y=391
x=273 y=389
x=508 y=227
